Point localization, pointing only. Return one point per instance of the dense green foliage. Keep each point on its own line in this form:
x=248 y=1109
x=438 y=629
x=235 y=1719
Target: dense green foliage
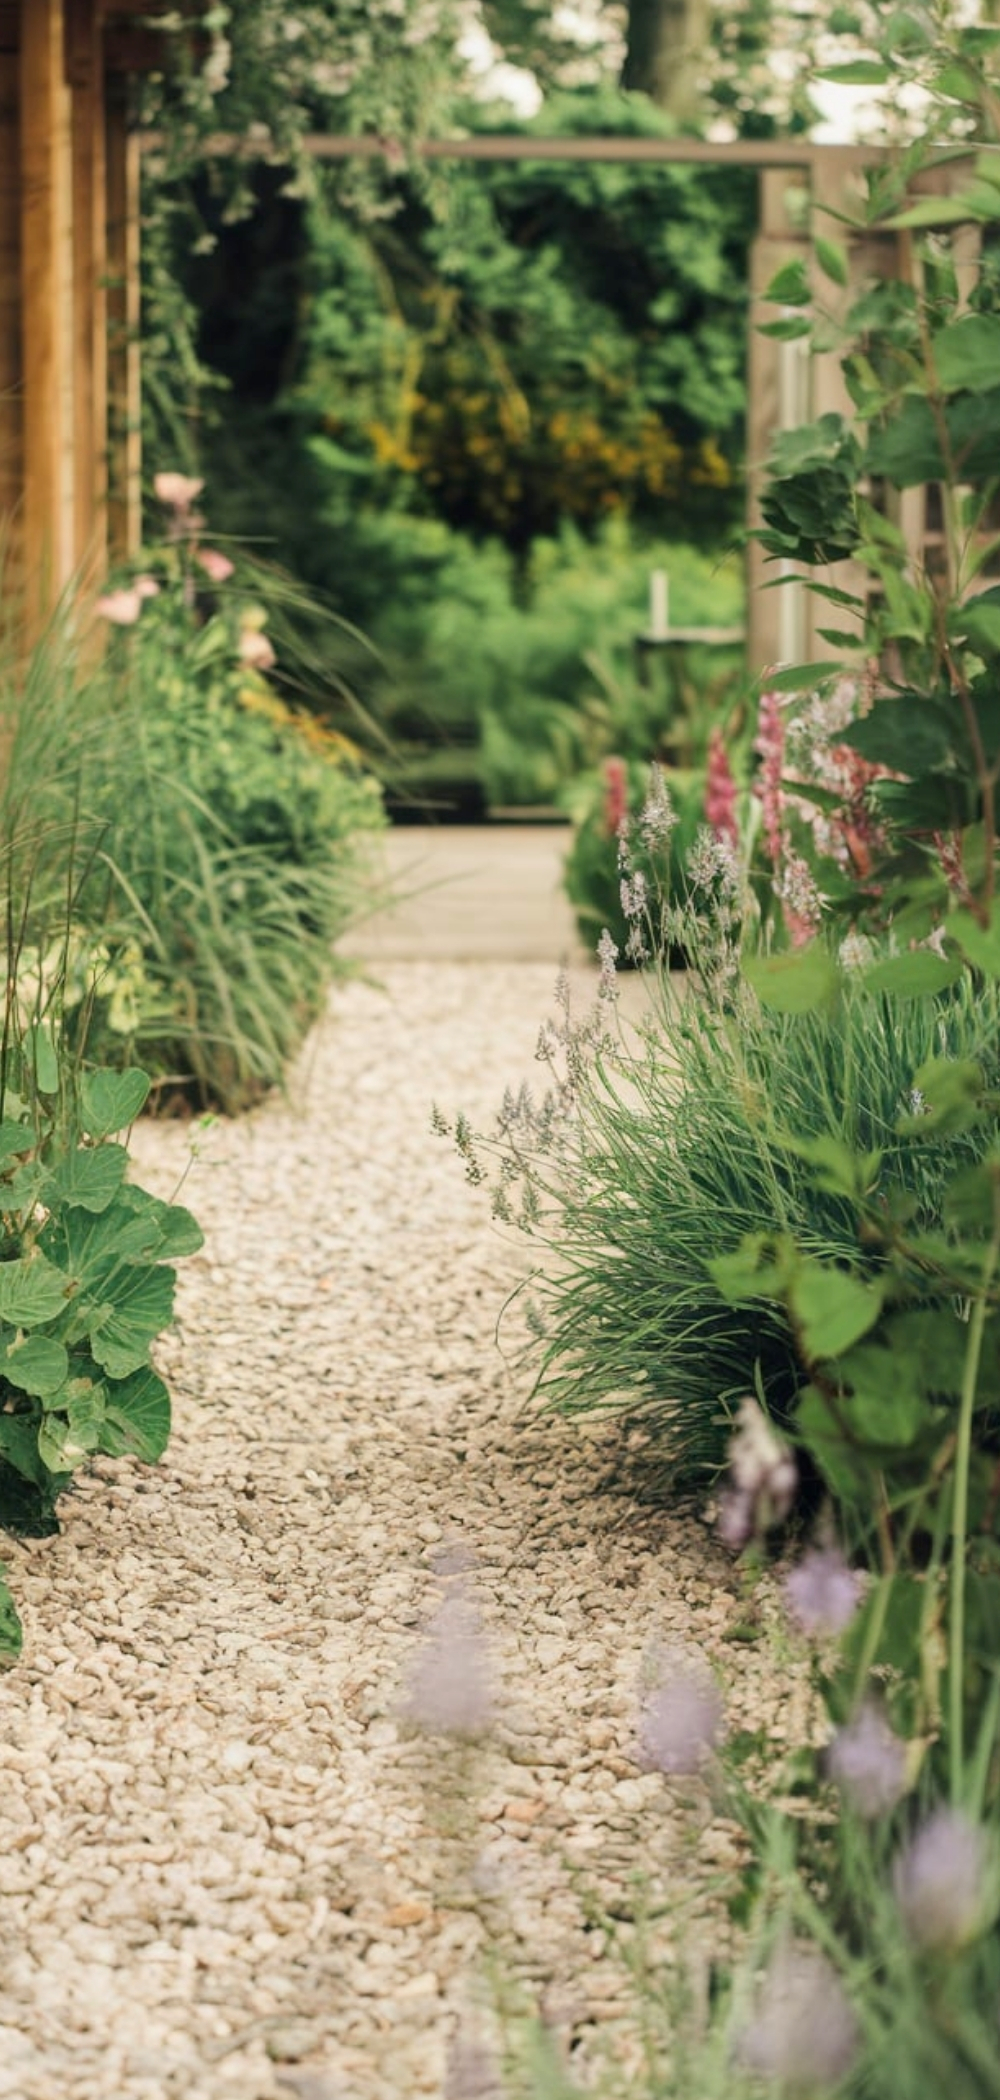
x=86 y=1281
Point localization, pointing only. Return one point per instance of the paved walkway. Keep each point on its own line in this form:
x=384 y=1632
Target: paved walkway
x=226 y=1868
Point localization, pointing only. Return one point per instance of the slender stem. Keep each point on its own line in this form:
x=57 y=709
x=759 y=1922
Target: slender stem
x=960 y=1509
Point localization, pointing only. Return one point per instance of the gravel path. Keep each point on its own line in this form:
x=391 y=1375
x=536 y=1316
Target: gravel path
x=225 y=1867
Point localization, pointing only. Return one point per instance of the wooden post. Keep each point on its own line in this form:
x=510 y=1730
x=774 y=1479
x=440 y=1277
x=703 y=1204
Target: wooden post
x=46 y=294
x=774 y=617
x=11 y=406
x=90 y=419
x=124 y=461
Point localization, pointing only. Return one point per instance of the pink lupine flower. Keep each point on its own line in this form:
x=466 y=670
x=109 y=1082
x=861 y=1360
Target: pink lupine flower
x=720 y=790
x=217 y=566
x=822 y=1592
x=804 y=2035
x=177 y=491
x=947 y=1882
x=769 y=744
x=122 y=607
x=255 y=650
x=615 y=795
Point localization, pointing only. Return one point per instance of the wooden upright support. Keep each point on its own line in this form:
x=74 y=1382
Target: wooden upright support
x=124 y=406
x=90 y=406
x=46 y=297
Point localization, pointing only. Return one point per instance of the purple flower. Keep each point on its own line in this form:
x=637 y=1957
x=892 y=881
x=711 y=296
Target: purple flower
x=449 y=1690
x=763 y=1478
x=680 y=1723
x=822 y=1592
x=947 y=1881
x=869 y=1762
x=804 y=2036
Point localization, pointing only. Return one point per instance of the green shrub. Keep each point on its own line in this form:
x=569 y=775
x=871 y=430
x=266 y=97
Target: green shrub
x=213 y=838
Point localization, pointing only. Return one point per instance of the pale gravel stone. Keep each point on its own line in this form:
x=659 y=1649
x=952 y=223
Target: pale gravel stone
x=210 y=1812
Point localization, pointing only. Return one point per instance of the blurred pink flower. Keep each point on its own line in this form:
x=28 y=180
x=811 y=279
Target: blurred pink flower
x=122 y=608
x=720 y=790
x=615 y=795
x=177 y=491
x=769 y=744
x=868 y=1762
x=146 y=587
x=255 y=650
x=763 y=1478
x=680 y=1723
x=947 y=1882
x=822 y=1593
x=218 y=567
x=449 y=1691
x=804 y=2035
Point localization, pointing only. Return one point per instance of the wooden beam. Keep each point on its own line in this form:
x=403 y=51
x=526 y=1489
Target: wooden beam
x=46 y=317
x=11 y=366
x=526 y=146
x=124 y=454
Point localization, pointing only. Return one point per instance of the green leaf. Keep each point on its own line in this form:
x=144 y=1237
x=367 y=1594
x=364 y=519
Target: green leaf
x=857 y=72
x=980 y=944
x=790 y=286
x=39 y=1053
x=156 y=1231
x=797 y=678
x=758 y=1268
x=36 y=1365
x=88 y=1178
x=907 y=449
x=110 y=1101
x=917 y=975
x=952 y=1089
x=909 y=732
x=967 y=354
x=15 y=1139
x=124 y=1323
x=69 y=1434
x=838 y=1170
x=979 y=621
x=802 y=982
x=972 y=1198
x=137 y=1417
x=19 y=1445
x=32 y=1291
x=832 y=1309
x=790 y=330
x=11 y=1632
x=832 y=259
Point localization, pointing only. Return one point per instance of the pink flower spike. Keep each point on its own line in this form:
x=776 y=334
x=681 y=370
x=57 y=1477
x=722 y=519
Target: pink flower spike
x=177 y=491
x=680 y=1724
x=720 y=790
x=255 y=650
x=122 y=608
x=218 y=567
x=615 y=795
x=947 y=1882
x=804 y=2036
x=822 y=1593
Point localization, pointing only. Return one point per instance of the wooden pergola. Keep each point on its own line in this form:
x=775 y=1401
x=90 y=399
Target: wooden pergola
x=70 y=460
x=69 y=288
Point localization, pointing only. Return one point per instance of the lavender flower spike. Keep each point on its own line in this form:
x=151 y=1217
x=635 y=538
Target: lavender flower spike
x=449 y=1691
x=680 y=1723
x=804 y=2036
x=763 y=1478
x=822 y=1593
x=947 y=1882
x=868 y=1762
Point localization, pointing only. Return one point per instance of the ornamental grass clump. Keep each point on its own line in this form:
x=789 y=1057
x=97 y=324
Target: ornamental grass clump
x=655 y=1159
